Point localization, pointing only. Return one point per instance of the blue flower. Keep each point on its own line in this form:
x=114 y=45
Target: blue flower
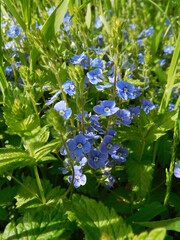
x=176 y=170
x=53 y=98
x=131 y=25
x=8 y=72
x=168 y=49
x=9 y=45
x=171 y=107
x=125 y=116
x=109 y=181
x=69 y=87
x=137 y=92
x=97 y=159
x=51 y=10
x=111 y=132
x=67 y=22
x=13 y=31
x=79 y=145
x=78 y=58
x=162 y=62
x=97 y=63
x=125 y=90
x=98 y=23
x=107 y=147
x=140 y=42
x=94 y=76
x=63 y=110
x=100 y=39
x=102 y=87
x=147 y=106
x=149 y=31
x=106 y=108
x=141 y=58
x=79 y=177
x=135 y=111
x=120 y=155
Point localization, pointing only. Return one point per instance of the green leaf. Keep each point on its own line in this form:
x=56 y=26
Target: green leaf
x=46 y=149
x=11 y=7
x=19 y=113
x=140 y=175
x=12 y=158
x=155 y=234
x=162 y=123
x=27 y=8
x=158 y=33
x=146 y=213
x=3 y=81
x=51 y=27
x=88 y=15
x=171 y=77
x=45 y=223
x=169 y=224
x=103 y=19
x=28 y=197
x=97 y=222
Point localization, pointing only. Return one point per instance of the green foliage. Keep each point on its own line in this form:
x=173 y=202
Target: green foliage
x=28 y=196
x=157 y=233
x=140 y=175
x=13 y=158
x=45 y=223
x=169 y=224
x=19 y=113
x=97 y=221
x=50 y=27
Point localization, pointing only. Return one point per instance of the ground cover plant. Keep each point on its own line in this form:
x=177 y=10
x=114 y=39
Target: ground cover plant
x=89 y=119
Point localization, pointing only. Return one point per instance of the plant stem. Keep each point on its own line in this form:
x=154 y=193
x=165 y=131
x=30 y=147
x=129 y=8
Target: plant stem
x=37 y=177
x=39 y=185
x=169 y=174
x=72 y=168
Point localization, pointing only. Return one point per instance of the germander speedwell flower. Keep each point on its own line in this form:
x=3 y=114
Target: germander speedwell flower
x=63 y=110
x=106 y=108
x=125 y=90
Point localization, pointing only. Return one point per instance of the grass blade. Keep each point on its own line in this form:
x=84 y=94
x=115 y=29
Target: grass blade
x=14 y=12
x=158 y=33
x=171 y=77
x=51 y=27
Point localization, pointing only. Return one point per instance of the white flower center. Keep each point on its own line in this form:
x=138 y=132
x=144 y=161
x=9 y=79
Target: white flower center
x=79 y=145
x=61 y=112
x=71 y=87
x=107 y=109
x=109 y=146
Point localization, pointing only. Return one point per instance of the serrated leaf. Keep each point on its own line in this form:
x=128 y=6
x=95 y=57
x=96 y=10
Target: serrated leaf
x=169 y=224
x=140 y=175
x=97 y=221
x=12 y=158
x=162 y=123
x=47 y=223
x=46 y=149
x=28 y=198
